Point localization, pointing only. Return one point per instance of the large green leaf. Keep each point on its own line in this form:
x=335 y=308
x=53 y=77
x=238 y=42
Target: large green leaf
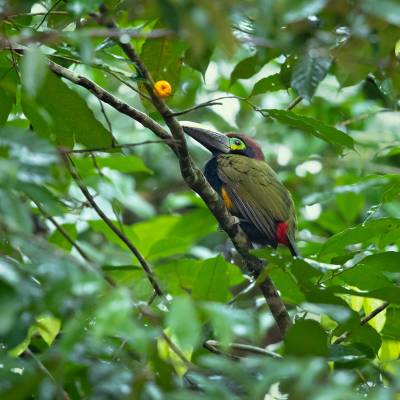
x=354 y=60
x=383 y=229
x=373 y=272
x=306 y=338
x=391 y=328
x=309 y=71
x=202 y=277
x=271 y=83
x=312 y=126
x=247 y=68
x=212 y=281
x=183 y=322
x=34 y=70
x=60 y=113
x=163 y=58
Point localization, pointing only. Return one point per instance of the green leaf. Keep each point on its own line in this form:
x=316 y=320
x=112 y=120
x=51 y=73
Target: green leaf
x=246 y=68
x=212 y=282
x=183 y=321
x=349 y=355
x=287 y=286
x=303 y=9
x=229 y=322
x=354 y=60
x=13 y=212
x=368 y=336
x=8 y=87
x=388 y=10
x=199 y=62
x=368 y=232
x=271 y=83
x=309 y=71
x=59 y=239
x=183 y=275
x=371 y=272
x=312 y=126
x=391 y=329
x=163 y=58
x=61 y=114
x=306 y=338
x=33 y=69
x=48 y=328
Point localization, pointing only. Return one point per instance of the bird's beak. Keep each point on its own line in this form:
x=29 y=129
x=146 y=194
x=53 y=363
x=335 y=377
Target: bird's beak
x=214 y=141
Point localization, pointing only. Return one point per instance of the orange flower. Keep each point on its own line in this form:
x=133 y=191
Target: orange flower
x=163 y=88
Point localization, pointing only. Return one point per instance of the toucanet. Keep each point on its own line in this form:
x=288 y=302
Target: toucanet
x=249 y=187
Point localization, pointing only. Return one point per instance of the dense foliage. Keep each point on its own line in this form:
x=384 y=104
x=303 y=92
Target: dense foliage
x=316 y=82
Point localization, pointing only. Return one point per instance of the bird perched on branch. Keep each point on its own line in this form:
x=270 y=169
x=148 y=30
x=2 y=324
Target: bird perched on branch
x=249 y=187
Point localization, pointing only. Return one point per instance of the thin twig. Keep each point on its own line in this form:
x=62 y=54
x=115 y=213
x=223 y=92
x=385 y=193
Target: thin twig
x=34 y=14
x=111 y=148
x=243 y=347
x=145 y=266
x=51 y=9
x=374 y=313
x=178 y=352
x=366 y=319
x=46 y=371
x=294 y=103
x=362 y=116
x=201 y=105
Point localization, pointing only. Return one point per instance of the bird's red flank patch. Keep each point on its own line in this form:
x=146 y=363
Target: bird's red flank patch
x=281 y=233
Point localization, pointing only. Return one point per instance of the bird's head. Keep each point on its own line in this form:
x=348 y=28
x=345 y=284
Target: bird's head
x=230 y=143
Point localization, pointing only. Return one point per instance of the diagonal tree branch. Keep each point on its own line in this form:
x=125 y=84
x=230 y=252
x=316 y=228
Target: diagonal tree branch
x=145 y=266
x=197 y=182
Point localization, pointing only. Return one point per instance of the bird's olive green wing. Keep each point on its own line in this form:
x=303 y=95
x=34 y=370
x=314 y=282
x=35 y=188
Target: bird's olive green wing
x=257 y=193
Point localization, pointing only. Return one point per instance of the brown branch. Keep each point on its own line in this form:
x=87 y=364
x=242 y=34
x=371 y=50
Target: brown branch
x=363 y=321
x=195 y=179
x=145 y=266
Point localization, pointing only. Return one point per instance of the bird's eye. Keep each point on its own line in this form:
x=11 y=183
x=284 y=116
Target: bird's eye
x=236 y=144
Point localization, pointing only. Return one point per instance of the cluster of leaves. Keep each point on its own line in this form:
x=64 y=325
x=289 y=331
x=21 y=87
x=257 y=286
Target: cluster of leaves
x=66 y=332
